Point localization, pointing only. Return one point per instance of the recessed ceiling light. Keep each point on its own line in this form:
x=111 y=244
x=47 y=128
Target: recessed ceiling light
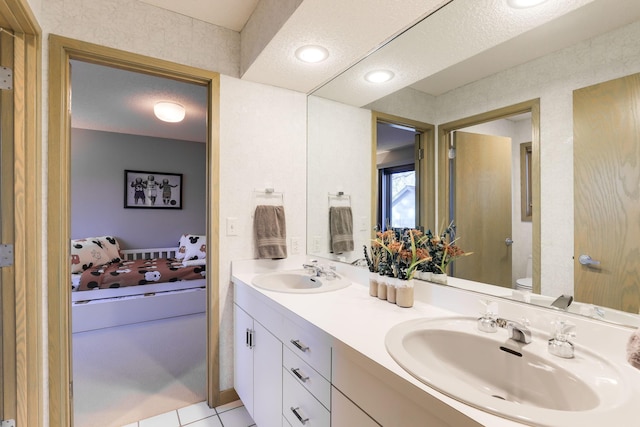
x=169 y=111
x=312 y=53
x=523 y=4
x=378 y=76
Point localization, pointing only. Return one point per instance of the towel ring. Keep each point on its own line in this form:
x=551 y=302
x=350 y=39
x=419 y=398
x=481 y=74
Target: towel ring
x=268 y=196
x=339 y=196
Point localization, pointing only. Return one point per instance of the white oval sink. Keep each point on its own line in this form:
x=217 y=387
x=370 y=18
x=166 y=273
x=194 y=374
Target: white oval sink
x=510 y=379
x=298 y=281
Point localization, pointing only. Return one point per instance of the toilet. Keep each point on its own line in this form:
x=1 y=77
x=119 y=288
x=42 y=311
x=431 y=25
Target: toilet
x=526 y=283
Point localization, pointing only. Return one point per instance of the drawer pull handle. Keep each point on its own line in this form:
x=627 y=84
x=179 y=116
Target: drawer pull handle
x=299 y=345
x=298 y=416
x=296 y=372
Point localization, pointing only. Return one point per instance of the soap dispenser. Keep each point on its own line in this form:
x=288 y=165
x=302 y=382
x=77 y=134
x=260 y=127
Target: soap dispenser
x=559 y=344
x=487 y=322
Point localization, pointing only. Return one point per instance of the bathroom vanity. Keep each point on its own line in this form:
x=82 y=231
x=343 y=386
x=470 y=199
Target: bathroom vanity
x=320 y=359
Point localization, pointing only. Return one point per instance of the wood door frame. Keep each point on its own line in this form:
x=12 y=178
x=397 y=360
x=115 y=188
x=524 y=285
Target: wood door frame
x=61 y=50
x=427 y=195
x=445 y=129
x=22 y=315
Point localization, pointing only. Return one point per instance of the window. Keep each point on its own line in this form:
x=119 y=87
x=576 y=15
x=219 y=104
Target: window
x=397 y=197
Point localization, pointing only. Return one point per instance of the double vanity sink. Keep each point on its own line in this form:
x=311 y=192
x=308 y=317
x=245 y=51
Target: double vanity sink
x=443 y=349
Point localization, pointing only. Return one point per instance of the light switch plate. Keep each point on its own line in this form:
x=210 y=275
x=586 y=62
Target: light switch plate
x=232 y=226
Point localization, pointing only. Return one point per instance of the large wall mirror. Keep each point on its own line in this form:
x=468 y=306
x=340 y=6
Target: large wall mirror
x=517 y=81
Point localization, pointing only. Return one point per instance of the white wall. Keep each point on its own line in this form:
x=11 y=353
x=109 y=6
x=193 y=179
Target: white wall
x=339 y=138
x=263 y=143
x=141 y=28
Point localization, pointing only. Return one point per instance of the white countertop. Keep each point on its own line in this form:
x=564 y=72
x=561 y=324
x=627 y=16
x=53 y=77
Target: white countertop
x=361 y=321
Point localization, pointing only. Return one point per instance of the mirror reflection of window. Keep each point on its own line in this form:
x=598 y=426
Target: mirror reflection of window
x=397 y=148
x=397 y=197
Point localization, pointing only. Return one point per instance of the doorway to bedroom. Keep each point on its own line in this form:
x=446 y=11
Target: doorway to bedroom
x=138 y=184
x=138 y=200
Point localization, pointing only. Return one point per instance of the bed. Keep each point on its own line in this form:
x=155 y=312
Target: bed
x=145 y=340
x=102 y=270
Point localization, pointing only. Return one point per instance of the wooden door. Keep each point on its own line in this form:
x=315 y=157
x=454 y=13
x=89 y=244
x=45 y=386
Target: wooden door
x=8 y=390
x=482 y=207
x=606 y=159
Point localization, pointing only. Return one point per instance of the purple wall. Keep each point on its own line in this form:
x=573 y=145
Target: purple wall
x=98 y=162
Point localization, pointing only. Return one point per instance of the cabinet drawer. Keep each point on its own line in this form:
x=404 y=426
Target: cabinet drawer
x=307 y=377
x=310 y=344
x=299 y=406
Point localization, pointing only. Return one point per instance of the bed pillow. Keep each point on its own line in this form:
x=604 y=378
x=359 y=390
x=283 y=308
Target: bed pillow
x=192 y=246
x=93 y=251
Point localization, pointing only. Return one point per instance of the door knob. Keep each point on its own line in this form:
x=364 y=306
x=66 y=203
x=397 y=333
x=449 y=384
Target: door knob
x=586 y=260
x=508 y=241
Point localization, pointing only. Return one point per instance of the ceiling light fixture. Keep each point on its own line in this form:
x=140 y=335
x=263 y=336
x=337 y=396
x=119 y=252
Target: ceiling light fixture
x=378 y=76
x=523 y=4
x=312 y=53
x=171 y=112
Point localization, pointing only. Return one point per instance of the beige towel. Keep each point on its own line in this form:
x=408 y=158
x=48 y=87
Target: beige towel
x=633 y=349
x=269 y=227
x=341 y=229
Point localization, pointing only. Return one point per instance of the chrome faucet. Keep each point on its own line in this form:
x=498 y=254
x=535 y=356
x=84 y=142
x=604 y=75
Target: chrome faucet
x=314 y=268
x=518 y=332
x=318 y=270
x=562 y=302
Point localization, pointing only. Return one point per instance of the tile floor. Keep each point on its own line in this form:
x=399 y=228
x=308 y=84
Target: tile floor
x=200 y=415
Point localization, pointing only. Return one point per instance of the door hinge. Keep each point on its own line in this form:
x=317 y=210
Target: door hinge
x=6 y=80
x=420 y=153
x=6 y=256
x=8 y=423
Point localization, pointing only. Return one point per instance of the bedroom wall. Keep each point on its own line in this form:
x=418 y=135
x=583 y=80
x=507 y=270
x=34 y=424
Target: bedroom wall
x=98 y=161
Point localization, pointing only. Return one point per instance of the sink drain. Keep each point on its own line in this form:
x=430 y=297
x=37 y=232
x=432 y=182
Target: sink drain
x=498 y=397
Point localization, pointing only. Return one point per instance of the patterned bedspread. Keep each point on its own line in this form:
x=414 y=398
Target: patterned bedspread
x=138 y=272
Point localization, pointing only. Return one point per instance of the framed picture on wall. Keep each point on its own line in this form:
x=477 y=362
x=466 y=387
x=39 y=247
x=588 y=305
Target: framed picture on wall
x=152 y=190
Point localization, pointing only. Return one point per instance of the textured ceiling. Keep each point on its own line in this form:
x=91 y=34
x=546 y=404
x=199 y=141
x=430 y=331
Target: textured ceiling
x=115 y=100
x=461 y=42
x=231 y=14
x=470 y=39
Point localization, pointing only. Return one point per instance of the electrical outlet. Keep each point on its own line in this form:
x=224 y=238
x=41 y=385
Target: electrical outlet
x=232 y=226
x=363 y=223
x=315 y=244
x=295 y=245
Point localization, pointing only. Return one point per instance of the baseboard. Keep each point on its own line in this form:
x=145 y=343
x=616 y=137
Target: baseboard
x=227 y=396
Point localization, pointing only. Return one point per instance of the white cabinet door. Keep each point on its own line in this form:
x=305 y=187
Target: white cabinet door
x=243 y=357
x=267 y=377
